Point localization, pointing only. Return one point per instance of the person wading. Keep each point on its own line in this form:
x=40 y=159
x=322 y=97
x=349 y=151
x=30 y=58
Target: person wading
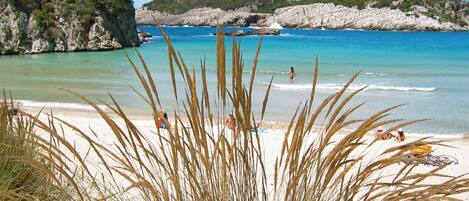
x=292 y=73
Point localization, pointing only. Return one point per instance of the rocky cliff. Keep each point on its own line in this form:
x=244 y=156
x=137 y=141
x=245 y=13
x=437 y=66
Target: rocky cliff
x=330 y=16
x=199 y=17
x=319 y=15
x=37 y=26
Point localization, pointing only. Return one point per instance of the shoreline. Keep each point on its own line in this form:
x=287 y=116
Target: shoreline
x=234 y=27
x=271 y=142
x=266 y=124
x=303 y=28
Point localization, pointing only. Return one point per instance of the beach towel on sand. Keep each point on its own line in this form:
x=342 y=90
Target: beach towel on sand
x=422 y=150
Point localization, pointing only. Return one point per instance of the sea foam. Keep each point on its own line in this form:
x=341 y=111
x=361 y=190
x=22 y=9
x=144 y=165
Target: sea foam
x=336 y=87
x=275 y=25
x=56 y=105
x=371 y=74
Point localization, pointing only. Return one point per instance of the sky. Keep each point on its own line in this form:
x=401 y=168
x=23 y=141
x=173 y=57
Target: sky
x=138 y=3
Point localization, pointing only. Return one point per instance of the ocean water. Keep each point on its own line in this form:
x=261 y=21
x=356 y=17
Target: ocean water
x=427 y=71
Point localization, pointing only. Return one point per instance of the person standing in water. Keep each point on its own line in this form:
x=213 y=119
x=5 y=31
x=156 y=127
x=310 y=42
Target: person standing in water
x=292 y=73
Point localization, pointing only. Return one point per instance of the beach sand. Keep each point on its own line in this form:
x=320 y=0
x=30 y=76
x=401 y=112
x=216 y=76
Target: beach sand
x=271 y=141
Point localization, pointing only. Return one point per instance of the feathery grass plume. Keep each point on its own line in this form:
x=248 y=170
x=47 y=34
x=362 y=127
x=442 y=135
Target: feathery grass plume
x=199 y=158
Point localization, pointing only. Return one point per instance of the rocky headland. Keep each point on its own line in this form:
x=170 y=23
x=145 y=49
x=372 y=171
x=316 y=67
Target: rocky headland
x=330 y=16
x=61 y=26
x=199 y=17
x=316 y=16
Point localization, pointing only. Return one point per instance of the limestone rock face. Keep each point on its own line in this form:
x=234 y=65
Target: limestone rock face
x=41 y=45
x=100 y=38
x=145 y=16
x=13 y=31
x=199 y=17
x=74 y=32
x=319 y=15
x=68 y=31
x=330 y=16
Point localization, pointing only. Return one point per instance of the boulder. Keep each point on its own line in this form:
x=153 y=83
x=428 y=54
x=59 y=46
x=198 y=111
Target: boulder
x=144 y=36
x=264 y=31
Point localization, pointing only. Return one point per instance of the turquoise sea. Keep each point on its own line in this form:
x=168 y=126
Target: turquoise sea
x=427 y=71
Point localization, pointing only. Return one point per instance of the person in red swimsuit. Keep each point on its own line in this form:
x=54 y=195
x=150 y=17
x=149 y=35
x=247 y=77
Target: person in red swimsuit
x=162 y=121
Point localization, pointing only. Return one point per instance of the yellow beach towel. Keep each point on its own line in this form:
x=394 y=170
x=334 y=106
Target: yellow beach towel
x=422 y=150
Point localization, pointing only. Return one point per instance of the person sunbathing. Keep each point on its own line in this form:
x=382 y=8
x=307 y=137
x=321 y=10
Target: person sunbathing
x=231 y=122
x=400 y=137
x=162 y=121
x=381 y=135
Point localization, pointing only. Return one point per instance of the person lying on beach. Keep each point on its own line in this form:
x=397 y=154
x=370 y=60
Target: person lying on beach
x=381 y=135
x=231 y=122
x=400 y=137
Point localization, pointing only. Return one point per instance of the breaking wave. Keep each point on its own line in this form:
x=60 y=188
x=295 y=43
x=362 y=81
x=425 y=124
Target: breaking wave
x=56 y=105
x=336 y=87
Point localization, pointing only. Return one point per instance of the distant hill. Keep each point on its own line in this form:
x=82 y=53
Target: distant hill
x=455 y=11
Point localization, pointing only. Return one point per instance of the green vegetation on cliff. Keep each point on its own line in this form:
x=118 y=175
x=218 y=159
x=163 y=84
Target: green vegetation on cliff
x=46 y=12
x=36 y=26
x=447 y=10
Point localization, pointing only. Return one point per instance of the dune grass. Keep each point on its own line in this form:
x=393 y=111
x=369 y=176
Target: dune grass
x=199 y=158
x=19 y=178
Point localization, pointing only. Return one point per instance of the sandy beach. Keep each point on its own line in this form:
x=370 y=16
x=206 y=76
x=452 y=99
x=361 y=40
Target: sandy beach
x=271 y=142
x=263 y=100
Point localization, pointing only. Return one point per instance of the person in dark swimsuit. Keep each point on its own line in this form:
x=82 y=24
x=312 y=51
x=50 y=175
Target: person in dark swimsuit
x=292 y=73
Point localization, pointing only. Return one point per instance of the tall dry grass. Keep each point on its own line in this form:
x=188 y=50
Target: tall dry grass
x=19 y=156
x=199 y=158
